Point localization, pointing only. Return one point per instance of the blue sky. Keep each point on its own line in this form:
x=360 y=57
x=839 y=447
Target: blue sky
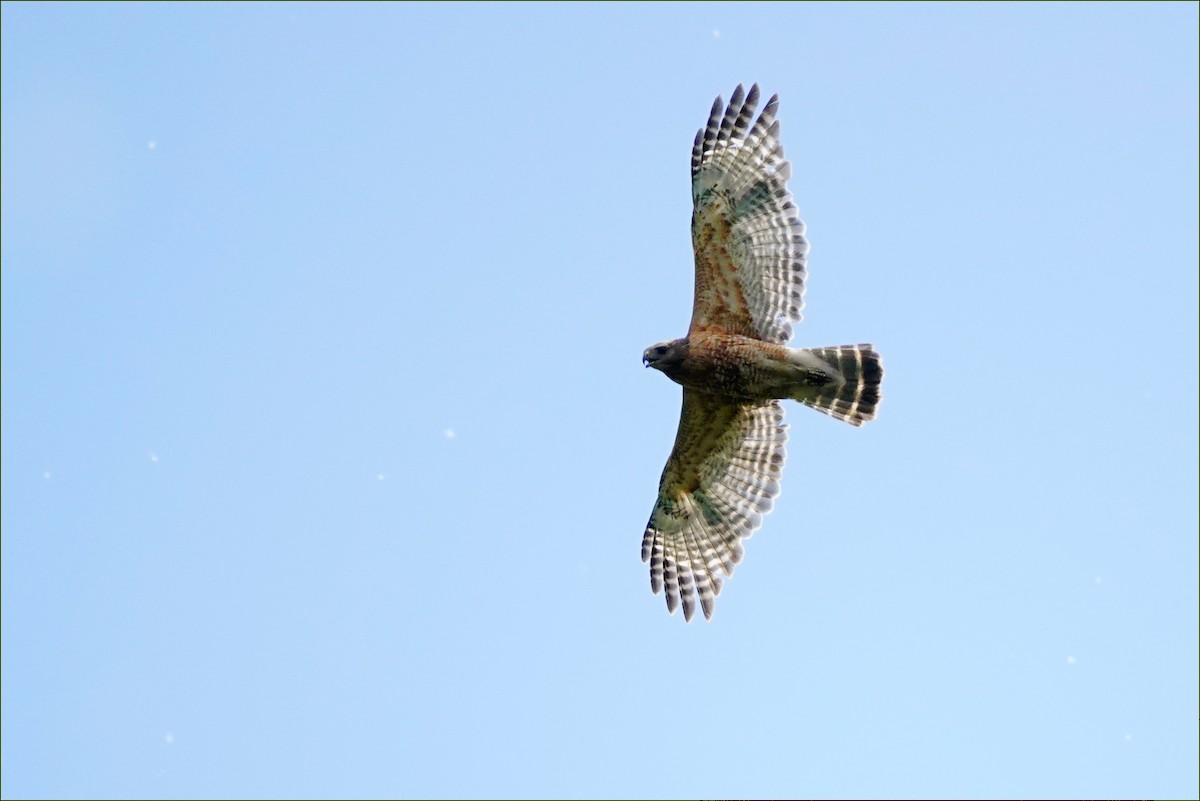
x=327 y=446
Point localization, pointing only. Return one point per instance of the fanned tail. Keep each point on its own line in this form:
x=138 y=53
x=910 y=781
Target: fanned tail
x=854 y=393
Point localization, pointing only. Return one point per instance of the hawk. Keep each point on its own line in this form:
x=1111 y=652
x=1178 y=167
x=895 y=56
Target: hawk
x=723 y=473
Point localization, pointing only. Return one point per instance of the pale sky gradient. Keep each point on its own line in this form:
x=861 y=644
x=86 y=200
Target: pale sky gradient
x=327 y=446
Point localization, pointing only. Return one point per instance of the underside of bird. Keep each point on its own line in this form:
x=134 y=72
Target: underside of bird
x=751 y=256
x=841 y=381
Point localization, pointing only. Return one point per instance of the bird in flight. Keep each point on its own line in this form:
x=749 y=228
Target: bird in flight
x=723 y=474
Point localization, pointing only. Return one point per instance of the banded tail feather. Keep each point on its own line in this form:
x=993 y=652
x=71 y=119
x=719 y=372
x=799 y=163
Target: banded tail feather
x=854 y=396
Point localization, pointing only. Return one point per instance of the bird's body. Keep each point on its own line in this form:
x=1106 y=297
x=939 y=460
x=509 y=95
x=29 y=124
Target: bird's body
x=743 y=369
x=751 y=258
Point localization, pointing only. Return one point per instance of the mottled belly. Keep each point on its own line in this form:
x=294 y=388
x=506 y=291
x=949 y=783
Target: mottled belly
x=742 y=368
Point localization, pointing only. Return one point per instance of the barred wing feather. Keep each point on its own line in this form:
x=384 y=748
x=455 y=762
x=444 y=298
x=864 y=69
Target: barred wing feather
x=721 y=479
x=751 y=254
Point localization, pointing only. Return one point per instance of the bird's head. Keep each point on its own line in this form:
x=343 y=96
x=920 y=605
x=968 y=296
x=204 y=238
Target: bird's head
x=665 y=355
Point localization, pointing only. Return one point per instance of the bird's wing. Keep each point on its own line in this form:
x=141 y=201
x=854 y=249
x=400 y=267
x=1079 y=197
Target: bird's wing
x=749 y=241
x=721 y=478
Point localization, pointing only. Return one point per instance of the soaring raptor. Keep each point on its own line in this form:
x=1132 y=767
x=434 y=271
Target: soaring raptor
x=723 y=474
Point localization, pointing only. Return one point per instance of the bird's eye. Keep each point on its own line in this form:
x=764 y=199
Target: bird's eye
x=661 y=349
